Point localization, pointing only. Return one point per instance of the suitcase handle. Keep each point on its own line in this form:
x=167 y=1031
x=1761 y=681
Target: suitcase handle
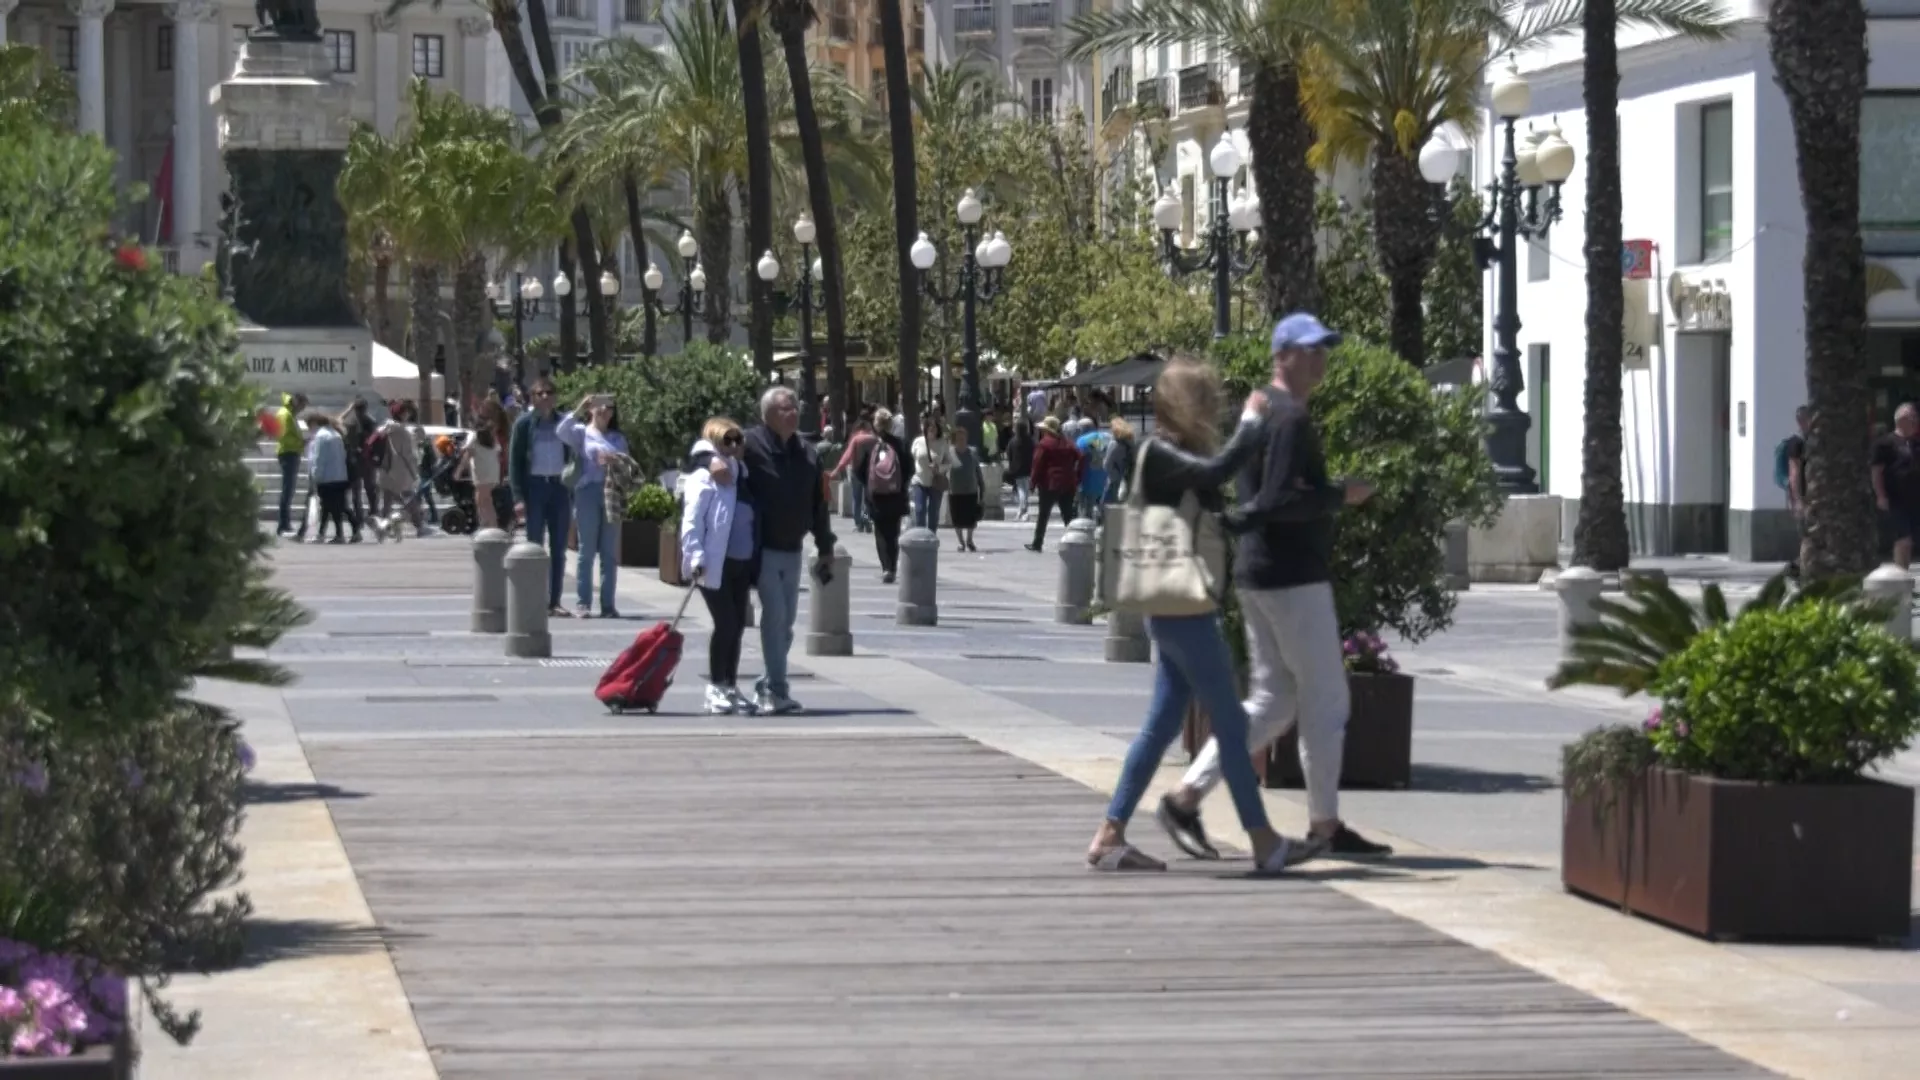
x=685 y=599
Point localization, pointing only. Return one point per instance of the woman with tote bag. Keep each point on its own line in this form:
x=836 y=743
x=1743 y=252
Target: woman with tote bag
x=1172 y=570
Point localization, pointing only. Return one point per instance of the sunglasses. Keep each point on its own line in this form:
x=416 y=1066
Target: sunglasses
x=730 y=439
x=543 y=393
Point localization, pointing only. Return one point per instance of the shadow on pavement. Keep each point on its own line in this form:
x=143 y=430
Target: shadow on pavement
x=269 y=940
x=1460 y=780
x=268 y=794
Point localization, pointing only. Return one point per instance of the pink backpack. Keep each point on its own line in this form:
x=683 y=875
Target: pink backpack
x=883 y=475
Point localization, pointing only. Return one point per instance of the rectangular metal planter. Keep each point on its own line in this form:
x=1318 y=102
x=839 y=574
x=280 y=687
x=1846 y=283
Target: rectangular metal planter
x=1738 y=859
x=1379 y=747
x=668 y=554
x=640 y=543
x=94 y=1063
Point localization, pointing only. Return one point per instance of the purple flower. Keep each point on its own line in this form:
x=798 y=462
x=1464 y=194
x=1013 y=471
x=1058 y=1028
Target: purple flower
x=1350 y=647
x=47 y=995
x=247 y=758
x=136 y=779
x=13 y=1007
x=110 y=994
x=30 y=1041
x=70 y=1018
x=33 y=778
x=1653 y=720
x=1680 y=729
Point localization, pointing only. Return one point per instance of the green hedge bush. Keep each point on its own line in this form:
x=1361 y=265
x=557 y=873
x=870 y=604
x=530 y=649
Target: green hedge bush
x=665 y=400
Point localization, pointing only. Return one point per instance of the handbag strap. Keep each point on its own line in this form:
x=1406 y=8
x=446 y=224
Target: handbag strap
x=1136 y=494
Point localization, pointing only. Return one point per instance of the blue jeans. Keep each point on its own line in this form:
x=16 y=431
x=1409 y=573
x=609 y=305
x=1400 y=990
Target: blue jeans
x=289 y=479
x=598 y=538
x=548 y=507
x=1191 y=659
x=859 y=491
x=779 y=587
x=926 y=508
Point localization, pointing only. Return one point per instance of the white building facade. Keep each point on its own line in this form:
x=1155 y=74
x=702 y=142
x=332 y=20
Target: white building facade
x=1709 y=177
x=1024 y=42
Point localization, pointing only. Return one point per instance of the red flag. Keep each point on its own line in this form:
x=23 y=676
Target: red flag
x=163 y=193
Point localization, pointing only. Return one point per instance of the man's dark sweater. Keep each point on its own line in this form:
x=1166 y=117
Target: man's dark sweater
x=1287 y=504
x=788 y=499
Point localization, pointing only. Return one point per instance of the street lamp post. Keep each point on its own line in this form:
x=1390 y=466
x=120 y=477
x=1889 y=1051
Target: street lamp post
x=522 y=298
x=981 y=263
x=801 y=301
x=1543 y=161
x=1229 y=240
x=692 y=295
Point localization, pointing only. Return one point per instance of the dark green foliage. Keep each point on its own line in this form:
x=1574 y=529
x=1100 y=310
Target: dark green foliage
x=1456 y=310
x=292 y=269
x=1424 y=450
x=1810 y=693
x=1634 y=636
x=1354 y=295
x=1605 y=760
x=650 y=503
x=127 y=513
x=664 y=401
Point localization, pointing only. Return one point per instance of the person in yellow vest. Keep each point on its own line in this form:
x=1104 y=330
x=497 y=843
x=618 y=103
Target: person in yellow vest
x=290 y=446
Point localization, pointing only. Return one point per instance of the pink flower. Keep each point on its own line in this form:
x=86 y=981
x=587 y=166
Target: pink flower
x=30 y=1041
x=13 y=1007
x=1680 y=729
x=47 y=995
x=1652 y=721
x=70 y=1018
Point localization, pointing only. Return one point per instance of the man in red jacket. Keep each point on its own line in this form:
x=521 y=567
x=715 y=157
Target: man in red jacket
x=1057 y=466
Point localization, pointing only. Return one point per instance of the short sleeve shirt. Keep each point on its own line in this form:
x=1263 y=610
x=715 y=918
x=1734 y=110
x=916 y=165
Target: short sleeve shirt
x=1897 y=454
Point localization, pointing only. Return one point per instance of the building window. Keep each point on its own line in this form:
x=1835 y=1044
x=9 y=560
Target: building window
x=340 y=49
x=66 y=48
x=1716 y=181
x=1890 y=171
x=163 y=48
x=430 y=56
x=973 y=18
x=567 y=9
x=1040 y=100
x=573 y=51
x=639 y=11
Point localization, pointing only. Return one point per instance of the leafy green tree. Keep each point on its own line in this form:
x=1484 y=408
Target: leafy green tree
x=33 y=94
x=1136 y=307
x=664 y=401
x=1455 y=319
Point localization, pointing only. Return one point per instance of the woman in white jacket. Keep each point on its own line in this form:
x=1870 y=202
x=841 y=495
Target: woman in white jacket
x=933 y=464
x=717 y=550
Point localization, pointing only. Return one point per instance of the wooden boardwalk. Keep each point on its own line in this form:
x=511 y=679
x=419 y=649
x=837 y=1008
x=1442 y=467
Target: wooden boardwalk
x=901 y=904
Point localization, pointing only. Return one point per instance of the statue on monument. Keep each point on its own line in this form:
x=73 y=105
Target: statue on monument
x=288 y=20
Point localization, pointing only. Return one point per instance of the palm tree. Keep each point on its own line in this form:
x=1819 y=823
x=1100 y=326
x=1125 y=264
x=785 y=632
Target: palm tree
x=906 y=213
x=753 y=98
x=1267 y=40
x=1600 y=538
x=1819 y=52
x=790 y=20
x=368 y=189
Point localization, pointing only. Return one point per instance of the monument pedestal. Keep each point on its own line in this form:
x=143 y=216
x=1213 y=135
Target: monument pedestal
x=1522 y=543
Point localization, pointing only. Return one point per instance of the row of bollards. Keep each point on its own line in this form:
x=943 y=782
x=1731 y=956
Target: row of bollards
x=510 y=593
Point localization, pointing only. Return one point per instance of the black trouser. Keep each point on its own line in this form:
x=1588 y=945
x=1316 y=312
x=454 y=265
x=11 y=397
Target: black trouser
x=886 y=541
x=289 y=479
x=728 y=606
x=333 y=507
x=364 y=484
x=1049 y=500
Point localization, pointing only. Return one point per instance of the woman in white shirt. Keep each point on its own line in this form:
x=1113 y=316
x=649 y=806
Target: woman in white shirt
x=933 y=464
x=717 y=552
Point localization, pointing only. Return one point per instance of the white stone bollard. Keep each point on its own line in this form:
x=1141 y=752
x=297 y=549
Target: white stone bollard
x=1579 y=587
x=527 y=602
x=490 y=581
x=1454 y=543
x=992 y=504
x=829 y=618
x=919 y=579
x=1073 y=600
x=1890 y=582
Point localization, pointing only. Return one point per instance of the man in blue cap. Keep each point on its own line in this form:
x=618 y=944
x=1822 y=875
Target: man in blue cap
x=1282 y=568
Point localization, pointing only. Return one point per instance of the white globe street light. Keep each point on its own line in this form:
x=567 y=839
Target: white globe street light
x=562 y=285
x=969 y=208
x=1225 y=159
x=1242 y=214
x=689 y=247
x=698 y=279
x=768 y=267
x=999 y=251
x=1527 y=160
x=653 y=278
x=1511 y=94
x=609 y=285
x=1166 y=211
x=531 y=290
x=1553 y=157
x=819 y=273
x=1439 y=163
x=803 y=229
x=923 y=254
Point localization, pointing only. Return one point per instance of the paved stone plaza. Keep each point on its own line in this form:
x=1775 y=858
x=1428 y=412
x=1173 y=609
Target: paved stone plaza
x=891 y=884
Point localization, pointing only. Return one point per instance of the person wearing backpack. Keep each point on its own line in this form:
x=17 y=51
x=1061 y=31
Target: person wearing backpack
x=1790 y=475
x=856 y=446
x=882 y=471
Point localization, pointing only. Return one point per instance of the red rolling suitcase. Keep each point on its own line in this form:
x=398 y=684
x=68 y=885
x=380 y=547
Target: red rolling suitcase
x=638 y=678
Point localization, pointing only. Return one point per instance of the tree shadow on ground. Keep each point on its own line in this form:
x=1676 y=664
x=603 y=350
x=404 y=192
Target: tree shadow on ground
x=269 y=794
x=269 y=940
x=1461 y=780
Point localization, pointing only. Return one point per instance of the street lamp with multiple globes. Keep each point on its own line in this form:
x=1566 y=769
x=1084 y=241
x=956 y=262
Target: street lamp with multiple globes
x=981 y=262
x=802 y=302
x=522 y=298
x=1543 y=161
x=1230 y=237
x=693 y=295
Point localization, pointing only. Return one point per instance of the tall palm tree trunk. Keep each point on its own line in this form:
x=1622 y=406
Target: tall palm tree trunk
x=713 y=222
x=1407 y=236
x=1819 y=50
x=636 y=225
x=826 y=230
x=471 y=313
x=1281 y=135
x=382 y=321
x=423 y=300
x=753 y=83
x=906 y=228
x=1600 y=536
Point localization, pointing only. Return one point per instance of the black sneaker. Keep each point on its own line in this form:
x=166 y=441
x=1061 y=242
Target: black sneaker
x=1184 y=827
x=1347 y=844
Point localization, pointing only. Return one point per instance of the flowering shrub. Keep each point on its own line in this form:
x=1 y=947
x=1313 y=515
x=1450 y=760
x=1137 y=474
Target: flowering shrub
x=52 y=1005
x=1366 y=654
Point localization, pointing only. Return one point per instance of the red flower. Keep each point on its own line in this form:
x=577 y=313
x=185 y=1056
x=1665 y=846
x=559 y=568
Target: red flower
x=130 y=257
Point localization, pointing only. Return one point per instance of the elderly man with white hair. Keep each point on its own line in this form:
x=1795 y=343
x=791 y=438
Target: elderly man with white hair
x=783 y=480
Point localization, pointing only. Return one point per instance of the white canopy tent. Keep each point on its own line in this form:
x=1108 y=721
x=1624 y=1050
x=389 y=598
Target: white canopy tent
x=394 y=376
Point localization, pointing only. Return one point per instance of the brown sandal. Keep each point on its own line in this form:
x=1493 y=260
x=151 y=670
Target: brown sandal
x=1123 y=858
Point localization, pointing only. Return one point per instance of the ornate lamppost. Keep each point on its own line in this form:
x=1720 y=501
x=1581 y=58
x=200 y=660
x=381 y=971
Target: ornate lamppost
x=981 y=263
x=802 y=302
x=1227 y=249
x=692 y=299
x=1542 y=161
x=522 y=298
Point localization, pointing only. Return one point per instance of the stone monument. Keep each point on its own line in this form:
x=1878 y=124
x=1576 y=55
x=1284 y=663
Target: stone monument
x=284 y=126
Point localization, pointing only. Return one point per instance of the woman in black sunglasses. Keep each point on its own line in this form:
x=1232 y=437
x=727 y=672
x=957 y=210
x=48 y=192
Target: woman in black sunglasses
x=717 y=550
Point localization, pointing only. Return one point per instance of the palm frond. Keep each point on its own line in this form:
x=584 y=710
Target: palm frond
x=1231 y=26
x=1713 y=603
x=1703 y=20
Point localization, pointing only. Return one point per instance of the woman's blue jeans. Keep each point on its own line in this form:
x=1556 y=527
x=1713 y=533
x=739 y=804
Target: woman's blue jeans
x=926 y=507
x=599 y=538
x=1191 y=661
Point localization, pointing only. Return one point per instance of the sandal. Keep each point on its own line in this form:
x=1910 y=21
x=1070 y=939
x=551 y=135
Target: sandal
x=1289 y=853
x=1123 y=858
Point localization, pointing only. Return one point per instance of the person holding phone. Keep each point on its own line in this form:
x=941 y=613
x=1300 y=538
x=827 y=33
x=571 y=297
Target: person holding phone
x=595 y=443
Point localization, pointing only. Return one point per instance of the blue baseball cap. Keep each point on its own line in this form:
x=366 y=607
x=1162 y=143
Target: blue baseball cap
x=1302 y=331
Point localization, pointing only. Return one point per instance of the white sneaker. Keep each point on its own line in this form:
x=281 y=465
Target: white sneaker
x=772 y=704
x=742 y=704
x=720 y=703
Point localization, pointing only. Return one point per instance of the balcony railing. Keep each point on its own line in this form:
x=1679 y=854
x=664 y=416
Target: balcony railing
x=1200 y=87
x=1115 y=93
x=1033 y=16
x=977 y=19
x=170 y=259
x=1150 y=95
x=640 y=11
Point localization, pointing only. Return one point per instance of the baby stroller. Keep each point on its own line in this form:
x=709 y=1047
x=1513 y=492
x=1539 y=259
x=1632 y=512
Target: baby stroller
x=463 y=517
x=390 y=527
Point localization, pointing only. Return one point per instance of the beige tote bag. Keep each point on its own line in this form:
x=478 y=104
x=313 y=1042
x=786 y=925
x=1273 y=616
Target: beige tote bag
x=1171 y=557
